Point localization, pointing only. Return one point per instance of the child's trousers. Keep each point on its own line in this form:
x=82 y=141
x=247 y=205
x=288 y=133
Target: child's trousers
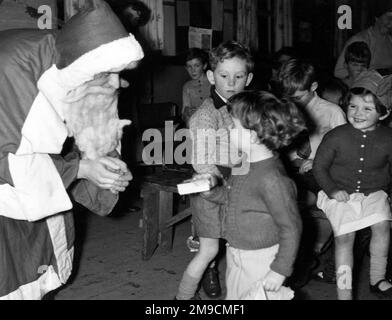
x=245 y=268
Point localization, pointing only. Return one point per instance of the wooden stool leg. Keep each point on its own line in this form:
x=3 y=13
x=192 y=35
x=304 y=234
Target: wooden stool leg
x=166 y=213
x=150 y=222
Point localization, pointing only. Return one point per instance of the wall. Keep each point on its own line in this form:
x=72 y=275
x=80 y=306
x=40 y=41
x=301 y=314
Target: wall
x=13 y=13
x=167 y=85
x=164 y=79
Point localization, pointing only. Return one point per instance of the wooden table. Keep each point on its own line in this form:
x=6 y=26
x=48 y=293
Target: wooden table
x=158 y=191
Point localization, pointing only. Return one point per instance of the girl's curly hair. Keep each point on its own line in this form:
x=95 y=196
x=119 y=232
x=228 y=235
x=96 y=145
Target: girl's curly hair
x=276 y=121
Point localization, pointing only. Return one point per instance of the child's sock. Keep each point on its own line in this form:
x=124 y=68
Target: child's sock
x=378 y=267
x=188 y=287
x=345 y=294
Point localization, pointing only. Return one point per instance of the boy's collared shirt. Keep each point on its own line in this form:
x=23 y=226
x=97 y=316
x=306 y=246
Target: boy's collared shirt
x=219 y=101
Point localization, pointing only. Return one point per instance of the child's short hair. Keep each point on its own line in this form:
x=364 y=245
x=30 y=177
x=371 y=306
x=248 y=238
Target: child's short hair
x=362 y=92
x=276 y=121
x=284 y=51
x=295 y=75
x=196 y=53
x=229 y=50
x=140 y=7
x=334 y=85
x=358 y=52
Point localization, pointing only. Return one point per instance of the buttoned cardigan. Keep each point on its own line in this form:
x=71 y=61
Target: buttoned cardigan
x=355 y=161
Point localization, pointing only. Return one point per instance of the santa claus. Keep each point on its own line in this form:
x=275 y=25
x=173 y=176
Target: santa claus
x=55 y=85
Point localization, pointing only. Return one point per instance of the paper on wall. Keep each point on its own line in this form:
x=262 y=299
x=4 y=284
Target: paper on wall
x=200 y=38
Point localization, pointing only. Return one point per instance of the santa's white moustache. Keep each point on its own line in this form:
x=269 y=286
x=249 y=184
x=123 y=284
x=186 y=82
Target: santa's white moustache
x=91 y=116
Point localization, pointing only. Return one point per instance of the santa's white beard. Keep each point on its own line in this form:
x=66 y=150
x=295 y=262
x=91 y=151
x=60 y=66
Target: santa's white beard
x=93 y=122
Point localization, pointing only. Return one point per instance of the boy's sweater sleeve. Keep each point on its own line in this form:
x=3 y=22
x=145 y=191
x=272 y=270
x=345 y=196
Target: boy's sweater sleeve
x=203 y=128
x=322 y=163
x=281 y=200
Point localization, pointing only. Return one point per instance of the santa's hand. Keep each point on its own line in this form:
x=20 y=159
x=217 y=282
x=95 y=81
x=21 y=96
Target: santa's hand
x=98 y=173
x=122 y=183
x=124 y=83
x=114 y=164
x=118 y=166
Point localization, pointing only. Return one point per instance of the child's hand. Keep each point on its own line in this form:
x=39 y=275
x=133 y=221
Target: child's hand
x=273 y=281
x=341 y=196
x=212 y=179
x=306 y=166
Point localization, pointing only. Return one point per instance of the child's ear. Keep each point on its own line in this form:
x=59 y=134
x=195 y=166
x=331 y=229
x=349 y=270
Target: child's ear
x=314 y=86
x=249 y=80
x=205 y=67
x=385 y=115
x=210 y=77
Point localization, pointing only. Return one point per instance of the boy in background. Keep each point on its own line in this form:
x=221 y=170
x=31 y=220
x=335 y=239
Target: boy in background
x=297 y=80
x=198 y=89
x=356 y=60
x=333 y=90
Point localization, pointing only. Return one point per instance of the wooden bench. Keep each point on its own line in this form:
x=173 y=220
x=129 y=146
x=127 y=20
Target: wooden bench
x=158 y=191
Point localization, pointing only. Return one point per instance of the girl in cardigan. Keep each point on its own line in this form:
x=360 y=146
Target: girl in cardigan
x=261 y=222
x=353 y=167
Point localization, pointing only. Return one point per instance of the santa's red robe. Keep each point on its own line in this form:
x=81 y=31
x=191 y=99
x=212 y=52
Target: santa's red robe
x=37 y=70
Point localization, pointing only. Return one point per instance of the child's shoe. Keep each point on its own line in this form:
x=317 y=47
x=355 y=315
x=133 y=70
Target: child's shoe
x=211 y=284
x=381 y=293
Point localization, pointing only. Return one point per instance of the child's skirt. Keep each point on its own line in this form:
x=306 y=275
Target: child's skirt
x=358 y=213
x=245 y=272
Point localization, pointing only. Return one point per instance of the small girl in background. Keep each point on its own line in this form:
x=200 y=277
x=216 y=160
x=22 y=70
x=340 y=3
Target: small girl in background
x=261 y=222
x=195 y=91
x=353 y=167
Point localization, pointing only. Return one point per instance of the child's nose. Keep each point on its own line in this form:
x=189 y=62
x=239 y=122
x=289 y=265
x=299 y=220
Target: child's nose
x=357 y=111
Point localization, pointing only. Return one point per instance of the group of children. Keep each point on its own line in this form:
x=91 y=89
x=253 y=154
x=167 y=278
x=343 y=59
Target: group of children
x=340 y=154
